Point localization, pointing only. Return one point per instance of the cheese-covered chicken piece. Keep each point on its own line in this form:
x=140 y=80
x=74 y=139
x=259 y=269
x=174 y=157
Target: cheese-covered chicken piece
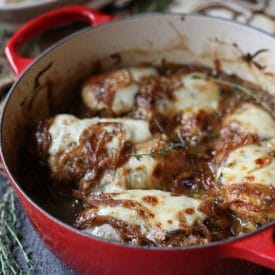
x=245 y=161
x=115 y=92
x=145 y=217
x=152 y=164
x=246 y=178
x=110 y=155
x=66 y=131
x=196 y=92
x=83 y=148
x=252 y=119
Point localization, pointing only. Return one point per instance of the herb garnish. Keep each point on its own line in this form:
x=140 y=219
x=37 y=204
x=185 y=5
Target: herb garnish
x=159 y=126
x=162 y=151
x=214 y=135
x=220 y=178
x=234 y=86
x=9 y=238
x=197 y=77
x=266 y=203
x=248 y=92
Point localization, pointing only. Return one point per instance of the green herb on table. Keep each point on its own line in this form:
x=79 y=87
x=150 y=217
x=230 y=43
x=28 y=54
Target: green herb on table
x=9 y=238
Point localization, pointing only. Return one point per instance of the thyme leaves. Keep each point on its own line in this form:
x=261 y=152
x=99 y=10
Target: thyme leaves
x=195 y=76
x=162 y=151
x=248 y=92
x=220 y=178
x=9 y=238
x=238 y=88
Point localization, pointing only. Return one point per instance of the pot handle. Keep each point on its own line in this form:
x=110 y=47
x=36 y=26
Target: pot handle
x=258 y=248
x=44 y=22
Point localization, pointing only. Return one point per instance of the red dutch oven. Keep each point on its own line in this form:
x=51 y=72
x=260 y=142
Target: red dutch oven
x=45 y=83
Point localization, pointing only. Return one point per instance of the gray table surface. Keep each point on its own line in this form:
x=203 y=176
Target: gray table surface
x=44 y=262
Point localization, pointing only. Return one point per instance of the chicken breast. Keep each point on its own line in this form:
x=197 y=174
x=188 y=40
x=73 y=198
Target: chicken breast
x=109 y=155
x=245 y=163
x=115 y=92
x=145 y=217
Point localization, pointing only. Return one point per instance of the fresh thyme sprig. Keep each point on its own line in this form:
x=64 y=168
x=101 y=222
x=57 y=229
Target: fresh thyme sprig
x=220 y=178
x=248 y=92
x=9 y=238
x=162 y=151
x=234 y=86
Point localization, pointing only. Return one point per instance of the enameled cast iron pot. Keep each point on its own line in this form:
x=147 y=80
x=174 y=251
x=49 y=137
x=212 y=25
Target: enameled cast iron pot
x=51 y=79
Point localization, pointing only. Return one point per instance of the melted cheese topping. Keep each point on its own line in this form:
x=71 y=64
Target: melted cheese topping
x=252 y=119
x=169 y=211
x=140 y=173
x=134 y=174
x=250 y=164
x=124 y=99
x=66 y=130
x=195 y=94
x=91 y=100
x=136 y=130
x=167 y=208
x=124 y=96
x=137 y=73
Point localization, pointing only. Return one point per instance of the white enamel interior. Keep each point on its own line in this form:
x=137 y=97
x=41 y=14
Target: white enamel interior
x=150 y=38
